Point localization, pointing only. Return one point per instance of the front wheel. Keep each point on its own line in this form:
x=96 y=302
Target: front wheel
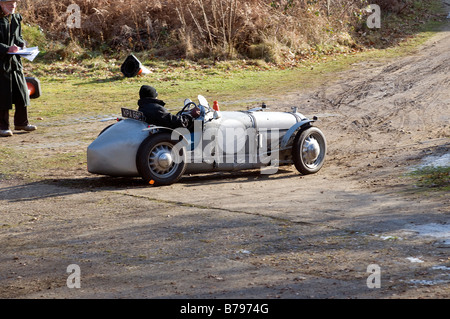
x=308 y=151
x=160 y=161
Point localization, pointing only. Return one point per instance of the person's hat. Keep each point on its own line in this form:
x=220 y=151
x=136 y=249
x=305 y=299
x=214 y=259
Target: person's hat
x=148 y=91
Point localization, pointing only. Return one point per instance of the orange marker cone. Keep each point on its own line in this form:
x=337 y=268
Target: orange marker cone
x=216 y=106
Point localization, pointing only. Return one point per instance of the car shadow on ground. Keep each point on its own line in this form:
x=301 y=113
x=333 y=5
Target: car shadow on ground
x=57 y=187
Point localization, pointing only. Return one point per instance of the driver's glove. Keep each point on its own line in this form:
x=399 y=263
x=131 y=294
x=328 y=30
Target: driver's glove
x=195 y=112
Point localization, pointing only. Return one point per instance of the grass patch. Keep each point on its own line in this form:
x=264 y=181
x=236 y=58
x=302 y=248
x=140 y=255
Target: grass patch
x=432 y=177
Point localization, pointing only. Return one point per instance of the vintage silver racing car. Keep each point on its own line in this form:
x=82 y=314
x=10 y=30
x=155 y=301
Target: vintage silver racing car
x=217 y=141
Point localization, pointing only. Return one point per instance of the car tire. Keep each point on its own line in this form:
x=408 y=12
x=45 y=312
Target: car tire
x=157 y=161
x=308 y=150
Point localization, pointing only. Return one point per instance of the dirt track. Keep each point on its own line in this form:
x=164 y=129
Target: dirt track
x=247 y=235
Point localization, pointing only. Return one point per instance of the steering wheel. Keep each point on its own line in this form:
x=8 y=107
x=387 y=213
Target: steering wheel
x=187 y=107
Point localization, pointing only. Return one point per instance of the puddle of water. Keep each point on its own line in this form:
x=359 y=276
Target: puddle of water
x=391 y=238
x=414 y=260
x=432 y=230
x=436 y=160
x=440 y=268
x=442 y=243
x=428 y=282
x=439 y=279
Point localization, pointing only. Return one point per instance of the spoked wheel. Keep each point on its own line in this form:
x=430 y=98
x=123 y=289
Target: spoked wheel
x=308 y=151
x=159 y=162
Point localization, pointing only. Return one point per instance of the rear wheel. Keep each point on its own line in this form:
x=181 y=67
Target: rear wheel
x=308 y=151
x=160 y=161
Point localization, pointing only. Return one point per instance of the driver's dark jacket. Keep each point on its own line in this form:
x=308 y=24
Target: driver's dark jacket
x=156 y=114
x=11 y=74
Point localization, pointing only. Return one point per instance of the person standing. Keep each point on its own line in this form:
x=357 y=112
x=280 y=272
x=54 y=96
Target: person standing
x=13 y=86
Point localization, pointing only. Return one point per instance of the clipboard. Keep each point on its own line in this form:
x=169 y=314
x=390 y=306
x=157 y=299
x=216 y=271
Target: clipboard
x=28 y=53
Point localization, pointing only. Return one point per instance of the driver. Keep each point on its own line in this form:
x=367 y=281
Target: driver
x=156 y=114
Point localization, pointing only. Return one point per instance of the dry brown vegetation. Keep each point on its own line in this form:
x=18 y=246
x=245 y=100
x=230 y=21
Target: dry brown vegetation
x=259 y=29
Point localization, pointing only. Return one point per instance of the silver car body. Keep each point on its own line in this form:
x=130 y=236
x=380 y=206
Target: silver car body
x=114 y=151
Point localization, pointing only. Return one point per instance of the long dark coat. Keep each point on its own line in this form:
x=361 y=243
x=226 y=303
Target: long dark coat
x=11 y=71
